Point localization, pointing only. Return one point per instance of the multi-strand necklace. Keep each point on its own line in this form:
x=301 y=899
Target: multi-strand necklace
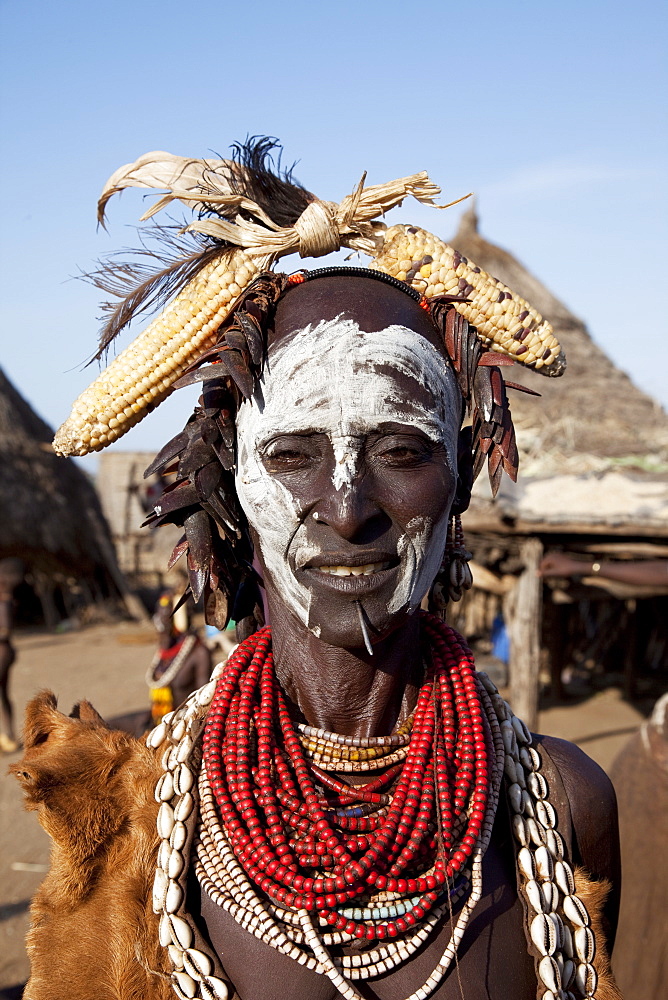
x=333 y=863
x=350 y=880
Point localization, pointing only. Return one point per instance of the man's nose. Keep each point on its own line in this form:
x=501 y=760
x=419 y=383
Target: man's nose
x=353 y=512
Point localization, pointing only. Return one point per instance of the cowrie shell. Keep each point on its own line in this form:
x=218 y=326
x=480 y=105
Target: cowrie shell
x=164 y=931
x=585 y=945
x=510 y=769
x=164 y=788
x=186 y=983
x=178 y=836
x=217 y=987
x=544 y=863
x=575 y=911
x=509 y=739
x=563 y=876
x=184 y=807
x=165 y=821
x=205 y=694
x=544 y=936
x=175 y=955
x=181 y=931
x=568 y=973
x=535 y=831
x=184 y=749
x=197 y=963
x=183 y=779
x=551 y=895
x=559 y=924
x=554 y=843
x=163 y=854
x=160 y=884
x=548 y=970
x=179 y=731
x=567 y=946
x=515 y=797
x=537 y=785
x=520 y=830
x=175 y=864
x=535 y=895
x=156 y=736
x=489 y=686
x=586 y=979
x=173 y=897
x=527 y=804
x=190 y=710
x=521 y=731
x=526 y=759
x=526 y=863
x=501 y=707
x=166 y=756
x=546 y=815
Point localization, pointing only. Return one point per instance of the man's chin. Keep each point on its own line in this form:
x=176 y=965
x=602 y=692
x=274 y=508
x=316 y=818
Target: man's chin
x=341 y=626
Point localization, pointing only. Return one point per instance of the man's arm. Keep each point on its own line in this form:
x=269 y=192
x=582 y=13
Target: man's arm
x=593 y=805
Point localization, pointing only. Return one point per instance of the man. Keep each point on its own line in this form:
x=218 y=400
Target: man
x=346 y=834
x=11 y=575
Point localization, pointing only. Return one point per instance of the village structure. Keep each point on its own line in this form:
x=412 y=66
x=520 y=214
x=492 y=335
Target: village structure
x=52 y=520
x=594 y=482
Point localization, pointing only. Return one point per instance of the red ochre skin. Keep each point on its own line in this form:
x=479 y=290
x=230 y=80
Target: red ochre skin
x=331 y=682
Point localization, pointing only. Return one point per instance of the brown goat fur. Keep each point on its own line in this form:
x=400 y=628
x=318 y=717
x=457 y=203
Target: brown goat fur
x=92 y=788
x=594 y=894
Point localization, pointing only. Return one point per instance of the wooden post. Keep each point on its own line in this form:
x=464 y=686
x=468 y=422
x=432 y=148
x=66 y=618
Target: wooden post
x=522 y=611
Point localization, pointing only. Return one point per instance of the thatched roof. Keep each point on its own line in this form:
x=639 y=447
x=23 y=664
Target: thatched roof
x=50 y=515
x=594 y=448
x=591 y=418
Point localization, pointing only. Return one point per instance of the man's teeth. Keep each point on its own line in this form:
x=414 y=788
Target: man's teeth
x=353 y=570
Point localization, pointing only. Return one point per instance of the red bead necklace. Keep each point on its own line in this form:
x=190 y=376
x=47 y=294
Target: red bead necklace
x=288 y=822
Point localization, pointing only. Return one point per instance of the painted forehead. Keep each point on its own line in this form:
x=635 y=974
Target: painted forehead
x=336 y=378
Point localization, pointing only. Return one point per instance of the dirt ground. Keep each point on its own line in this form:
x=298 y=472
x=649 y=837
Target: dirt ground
x=106 y=665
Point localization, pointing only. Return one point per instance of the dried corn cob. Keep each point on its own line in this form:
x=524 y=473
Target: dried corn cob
x=504 y=321
x=143 y=374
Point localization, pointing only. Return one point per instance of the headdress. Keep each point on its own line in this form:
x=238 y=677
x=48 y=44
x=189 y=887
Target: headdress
x=249 y=213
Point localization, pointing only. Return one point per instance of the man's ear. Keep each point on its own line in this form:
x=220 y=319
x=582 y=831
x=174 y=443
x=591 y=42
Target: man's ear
x=464 y=471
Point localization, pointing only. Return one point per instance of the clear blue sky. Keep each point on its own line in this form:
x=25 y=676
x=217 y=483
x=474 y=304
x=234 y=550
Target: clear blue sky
x=554 y=114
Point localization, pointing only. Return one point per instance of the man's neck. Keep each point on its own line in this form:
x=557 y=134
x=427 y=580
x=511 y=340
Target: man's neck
x=346 y=690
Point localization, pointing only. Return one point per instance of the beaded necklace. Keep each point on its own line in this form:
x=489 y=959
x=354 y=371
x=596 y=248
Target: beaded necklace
x=281 y=826
x=258 y=875
x=177 y=655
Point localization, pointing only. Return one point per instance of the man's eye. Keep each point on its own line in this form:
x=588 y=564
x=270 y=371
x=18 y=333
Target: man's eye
x=403 y=454
x=286 y=460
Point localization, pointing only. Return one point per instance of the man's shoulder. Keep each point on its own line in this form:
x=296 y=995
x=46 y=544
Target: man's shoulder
x=584 y=780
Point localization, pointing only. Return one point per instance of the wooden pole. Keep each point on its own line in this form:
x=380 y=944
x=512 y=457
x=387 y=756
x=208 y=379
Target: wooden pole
x=522 y=611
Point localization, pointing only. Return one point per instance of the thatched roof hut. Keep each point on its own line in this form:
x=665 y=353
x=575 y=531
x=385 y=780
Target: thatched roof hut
x=593 y=481
x=143 y=553
x=50 y=516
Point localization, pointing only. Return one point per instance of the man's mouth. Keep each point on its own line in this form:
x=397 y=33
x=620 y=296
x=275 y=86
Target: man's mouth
x=365 y=570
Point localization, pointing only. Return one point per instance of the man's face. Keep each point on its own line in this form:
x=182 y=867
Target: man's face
x=347 y=471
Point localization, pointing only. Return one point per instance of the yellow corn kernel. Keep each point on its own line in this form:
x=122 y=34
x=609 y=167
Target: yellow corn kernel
x=504 y=321
x=145 y=371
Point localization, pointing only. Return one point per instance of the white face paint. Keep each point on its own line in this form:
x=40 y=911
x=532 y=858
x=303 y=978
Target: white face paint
x=336 y=379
